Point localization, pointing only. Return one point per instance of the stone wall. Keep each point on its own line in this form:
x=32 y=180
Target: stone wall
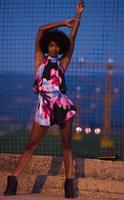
x=46 y=174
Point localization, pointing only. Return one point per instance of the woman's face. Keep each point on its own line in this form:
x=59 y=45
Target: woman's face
x=53 y=49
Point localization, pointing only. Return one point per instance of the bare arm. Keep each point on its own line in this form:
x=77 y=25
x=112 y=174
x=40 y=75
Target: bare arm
x=39 y=57
x=74 y=28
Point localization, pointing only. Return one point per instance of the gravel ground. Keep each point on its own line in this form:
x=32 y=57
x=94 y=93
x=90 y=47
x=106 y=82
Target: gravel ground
x=101 y=180
x=85 y=196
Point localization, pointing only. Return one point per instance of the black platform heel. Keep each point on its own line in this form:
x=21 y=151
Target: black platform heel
x=11 y=187
x=70 y=188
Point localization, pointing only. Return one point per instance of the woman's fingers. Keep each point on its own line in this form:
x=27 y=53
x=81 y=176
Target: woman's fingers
x=80 y=6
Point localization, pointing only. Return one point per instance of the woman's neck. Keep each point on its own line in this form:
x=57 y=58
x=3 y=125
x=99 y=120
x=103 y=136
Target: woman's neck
x=54 y=59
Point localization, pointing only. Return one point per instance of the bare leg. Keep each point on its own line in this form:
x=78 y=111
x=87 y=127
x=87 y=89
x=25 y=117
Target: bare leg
x=37 y=134
x=66 y=136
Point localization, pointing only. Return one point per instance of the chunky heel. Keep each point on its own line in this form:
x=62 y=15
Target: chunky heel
x=11 y=187
x=70 y=189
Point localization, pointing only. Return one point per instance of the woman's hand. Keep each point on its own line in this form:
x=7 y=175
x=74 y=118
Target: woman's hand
x=70 y=22
x=80 y=7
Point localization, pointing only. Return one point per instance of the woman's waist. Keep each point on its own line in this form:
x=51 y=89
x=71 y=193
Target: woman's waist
x=49 y=89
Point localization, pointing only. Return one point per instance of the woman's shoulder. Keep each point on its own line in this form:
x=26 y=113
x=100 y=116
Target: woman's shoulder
x=42 y=63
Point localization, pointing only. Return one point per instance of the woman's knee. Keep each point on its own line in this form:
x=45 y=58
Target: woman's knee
x=66 y=143
x=31 y=146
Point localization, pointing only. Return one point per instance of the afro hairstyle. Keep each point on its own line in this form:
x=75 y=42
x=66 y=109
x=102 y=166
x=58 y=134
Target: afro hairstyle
x=57 y=36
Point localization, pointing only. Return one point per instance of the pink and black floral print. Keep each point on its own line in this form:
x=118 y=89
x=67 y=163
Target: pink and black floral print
x=53 y=105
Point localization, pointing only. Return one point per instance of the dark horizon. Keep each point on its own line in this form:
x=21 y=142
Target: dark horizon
x=17 y=102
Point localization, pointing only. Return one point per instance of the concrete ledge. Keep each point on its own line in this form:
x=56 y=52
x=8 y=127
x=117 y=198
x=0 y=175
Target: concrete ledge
x=46 y=175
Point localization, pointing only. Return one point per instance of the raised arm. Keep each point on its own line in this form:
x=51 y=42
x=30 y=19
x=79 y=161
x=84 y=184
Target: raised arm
x=74 y=24
x=39 y=56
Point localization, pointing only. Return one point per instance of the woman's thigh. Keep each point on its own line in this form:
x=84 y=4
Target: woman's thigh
x=66 y=132
x=37 y=133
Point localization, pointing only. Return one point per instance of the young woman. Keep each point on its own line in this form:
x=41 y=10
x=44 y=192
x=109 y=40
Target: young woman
x=53 y=105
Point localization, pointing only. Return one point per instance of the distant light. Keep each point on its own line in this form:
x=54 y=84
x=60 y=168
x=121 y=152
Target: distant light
x=98 y=89
x=116 y=90
x=78 y=129
x=81 y=60
x=110 y=60
x=97 y=131
x=78 y=88
x=87 y=130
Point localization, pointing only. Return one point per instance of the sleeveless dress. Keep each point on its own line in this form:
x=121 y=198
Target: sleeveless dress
x=53 y=105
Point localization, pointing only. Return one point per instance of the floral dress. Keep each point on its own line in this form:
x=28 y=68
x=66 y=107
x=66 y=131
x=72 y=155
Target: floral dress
x=53 y=105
